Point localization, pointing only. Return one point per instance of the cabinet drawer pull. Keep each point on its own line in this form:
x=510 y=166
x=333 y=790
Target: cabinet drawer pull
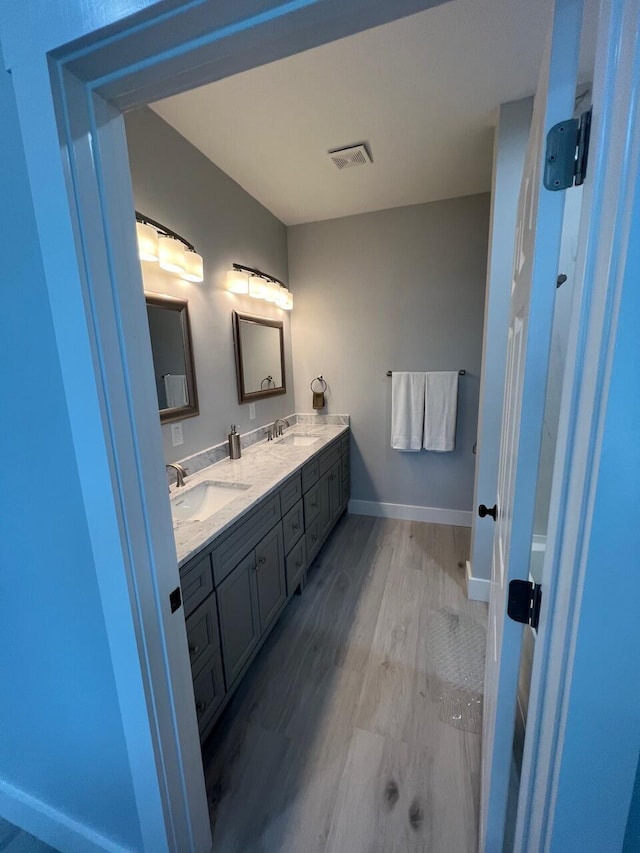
x=193 y=650
x=200 y=706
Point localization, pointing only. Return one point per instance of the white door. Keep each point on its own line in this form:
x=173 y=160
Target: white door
x=535 y=269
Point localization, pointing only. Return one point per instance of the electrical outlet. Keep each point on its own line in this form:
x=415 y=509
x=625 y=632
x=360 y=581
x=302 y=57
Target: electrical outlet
x=252 y=411
x=176 y=434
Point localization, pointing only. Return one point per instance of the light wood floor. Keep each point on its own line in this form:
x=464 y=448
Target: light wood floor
x=338 y=740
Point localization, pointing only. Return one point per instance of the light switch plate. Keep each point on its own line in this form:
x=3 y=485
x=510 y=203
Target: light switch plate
x=252 y=411
x=176 y=434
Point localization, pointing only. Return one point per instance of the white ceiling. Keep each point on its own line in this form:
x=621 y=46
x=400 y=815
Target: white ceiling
x=422 y=91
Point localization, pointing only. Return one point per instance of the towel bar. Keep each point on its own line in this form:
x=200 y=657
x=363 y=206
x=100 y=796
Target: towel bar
x=460 y=372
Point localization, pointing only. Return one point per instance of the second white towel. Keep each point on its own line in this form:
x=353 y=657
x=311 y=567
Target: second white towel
x=441 y=408
x=407 y=411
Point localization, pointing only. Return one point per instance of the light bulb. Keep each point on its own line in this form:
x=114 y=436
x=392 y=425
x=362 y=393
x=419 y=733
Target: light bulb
x=147 y=242
x=193 y=267
x=257 y=287
x=238 y=281
x=171 y=255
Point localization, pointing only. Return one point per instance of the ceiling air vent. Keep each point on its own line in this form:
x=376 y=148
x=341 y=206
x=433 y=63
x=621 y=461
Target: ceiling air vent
x=352 y=155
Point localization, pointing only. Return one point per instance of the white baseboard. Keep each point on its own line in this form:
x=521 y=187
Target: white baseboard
x=55 y=828
x=406 y=512
x=478 y=589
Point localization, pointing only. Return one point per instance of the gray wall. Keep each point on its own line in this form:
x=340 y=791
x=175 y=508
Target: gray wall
x=177 y=185
x=399 y=289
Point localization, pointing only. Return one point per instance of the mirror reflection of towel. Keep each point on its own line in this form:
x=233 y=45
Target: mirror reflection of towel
x=175 y=386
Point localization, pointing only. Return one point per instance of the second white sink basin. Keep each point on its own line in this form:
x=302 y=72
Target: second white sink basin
x=200 y=502
x=298 y=440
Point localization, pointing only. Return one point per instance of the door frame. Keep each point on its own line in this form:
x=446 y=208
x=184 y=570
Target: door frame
x=568 y=619
x=73 y=78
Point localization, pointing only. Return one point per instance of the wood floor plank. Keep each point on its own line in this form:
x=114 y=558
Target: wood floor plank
x=344 y=697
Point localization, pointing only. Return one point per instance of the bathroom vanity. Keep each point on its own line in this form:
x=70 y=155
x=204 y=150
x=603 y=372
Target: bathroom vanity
x=240 y=565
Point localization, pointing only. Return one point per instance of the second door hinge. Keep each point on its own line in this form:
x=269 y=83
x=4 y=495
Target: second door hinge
x=567 y=152
x=523 y=604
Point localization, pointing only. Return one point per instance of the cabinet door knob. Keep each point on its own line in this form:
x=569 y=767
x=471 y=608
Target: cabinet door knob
x=298 y=564
x=484 y=511
x=200 y=706
x=193 y=650
x=314 y=537
x=262 y=560
x=295 y=527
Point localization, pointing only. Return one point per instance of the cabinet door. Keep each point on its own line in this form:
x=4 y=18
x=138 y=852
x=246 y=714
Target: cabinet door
x=335 y=491
x=239 y=617
x=208 y=691
x=270 y=575
x=324 y=514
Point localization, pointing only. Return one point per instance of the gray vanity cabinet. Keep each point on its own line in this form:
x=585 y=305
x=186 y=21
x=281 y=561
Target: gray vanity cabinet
x=239 y=614
x=235 y=590
x=270 y=573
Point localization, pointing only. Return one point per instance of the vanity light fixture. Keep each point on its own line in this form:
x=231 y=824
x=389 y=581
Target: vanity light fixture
x=259 y=285
x=174 y=254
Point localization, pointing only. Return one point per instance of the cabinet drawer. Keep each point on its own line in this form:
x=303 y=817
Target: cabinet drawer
x=244 y=536
x=203 y=633
x=311 y=504
x=196 y=582
x=208 y=691
x=344 y=444
x=290 y=494
x=292 y=527
x=310 y=474
x=296 y=564
x=312 y=540
x=328 y=458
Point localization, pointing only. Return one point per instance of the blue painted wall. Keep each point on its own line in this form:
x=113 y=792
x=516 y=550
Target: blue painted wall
x=61 y=733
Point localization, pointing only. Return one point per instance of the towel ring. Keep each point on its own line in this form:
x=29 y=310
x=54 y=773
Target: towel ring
x=269 y=381
x=324 y=385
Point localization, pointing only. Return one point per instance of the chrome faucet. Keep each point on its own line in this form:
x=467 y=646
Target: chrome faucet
x=181 y=473
x=277 y=428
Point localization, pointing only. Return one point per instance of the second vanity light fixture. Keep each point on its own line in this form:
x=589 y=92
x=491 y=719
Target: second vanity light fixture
x=173 y=253
x=258 y=284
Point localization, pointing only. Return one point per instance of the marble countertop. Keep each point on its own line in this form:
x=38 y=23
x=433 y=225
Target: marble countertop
x=264 y=467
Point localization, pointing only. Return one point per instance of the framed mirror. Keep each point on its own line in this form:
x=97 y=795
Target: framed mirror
x=259 y=347
x=173 y=368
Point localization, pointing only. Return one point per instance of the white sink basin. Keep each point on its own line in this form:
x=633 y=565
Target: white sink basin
x=200 y=502
x=297 y=440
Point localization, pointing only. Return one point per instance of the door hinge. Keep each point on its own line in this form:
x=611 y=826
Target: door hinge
x=566 y=155
x=175 y=599
x=523 y=604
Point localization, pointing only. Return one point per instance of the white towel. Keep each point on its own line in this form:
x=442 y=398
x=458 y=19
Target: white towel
x=441 y=405
x=175 y=386
x=407 y=410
